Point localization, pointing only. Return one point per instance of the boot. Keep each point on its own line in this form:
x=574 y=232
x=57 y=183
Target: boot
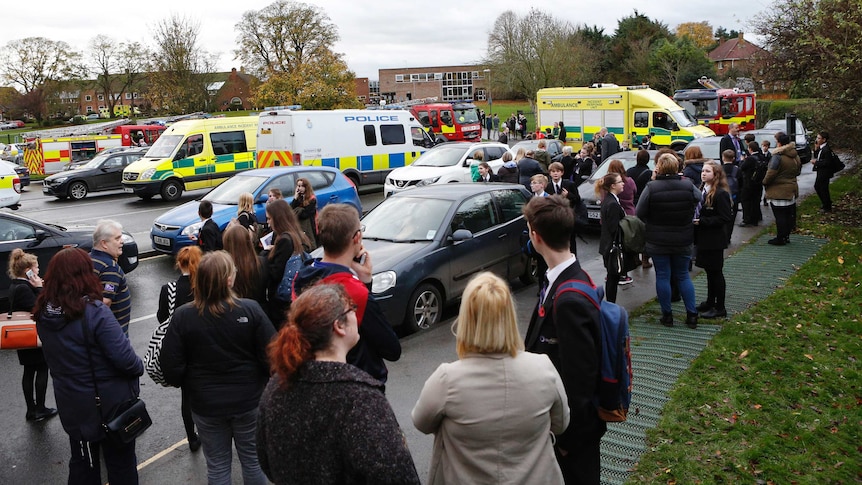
x=691 y=320
x=705 y=306
x=714 y=313
x=667 y=319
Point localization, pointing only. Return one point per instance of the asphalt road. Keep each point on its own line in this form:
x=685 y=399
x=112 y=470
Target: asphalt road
x=38 y=452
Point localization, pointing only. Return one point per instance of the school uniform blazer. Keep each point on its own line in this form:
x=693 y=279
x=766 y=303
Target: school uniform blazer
x=570 y=336
x=210 y=236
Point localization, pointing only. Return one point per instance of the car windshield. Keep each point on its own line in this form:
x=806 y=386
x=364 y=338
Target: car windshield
x=683 y=118
x=440 y=157
x=229 y=191
x=94 y=163
x=470 y=115
x=782 y=125
x=164 y=147
x=406 y=219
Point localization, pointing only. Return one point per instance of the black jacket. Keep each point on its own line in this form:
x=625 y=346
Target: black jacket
x=711 y=231
x=220 y=360
x=210 y=237
x=667 y=208
x=641 y=174
x=183 y=295
x=612 y=213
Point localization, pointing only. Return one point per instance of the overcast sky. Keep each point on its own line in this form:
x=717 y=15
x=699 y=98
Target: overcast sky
x=373 y=34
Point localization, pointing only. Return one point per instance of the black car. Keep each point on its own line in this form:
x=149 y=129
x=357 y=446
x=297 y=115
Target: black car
x=427 y=242
x=44 y=240
x=103 y=172
x=587 y=190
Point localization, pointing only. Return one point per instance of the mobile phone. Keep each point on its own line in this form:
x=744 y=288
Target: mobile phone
x=30 y=274
x=361 y=258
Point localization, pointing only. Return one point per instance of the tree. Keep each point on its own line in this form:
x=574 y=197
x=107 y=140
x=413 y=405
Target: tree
x=678 y=64
x=529 y=53
x=816 y=48
x=630 y=49
x=723 y=34
x=325 y=83
x=182 y=70
x=283 y=35
x=700 y=33
x=118 y=68
x=39 y=66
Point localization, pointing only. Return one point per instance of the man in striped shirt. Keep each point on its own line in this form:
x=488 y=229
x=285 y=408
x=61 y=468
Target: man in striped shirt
x=107 y=248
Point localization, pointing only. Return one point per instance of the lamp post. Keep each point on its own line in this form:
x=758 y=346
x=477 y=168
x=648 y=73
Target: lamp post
x=490 y=99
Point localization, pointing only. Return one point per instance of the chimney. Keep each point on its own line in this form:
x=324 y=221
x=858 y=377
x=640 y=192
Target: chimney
x=741 y=40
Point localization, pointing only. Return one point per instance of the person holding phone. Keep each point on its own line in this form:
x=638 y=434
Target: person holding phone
x=304 y=205
x=25 y=287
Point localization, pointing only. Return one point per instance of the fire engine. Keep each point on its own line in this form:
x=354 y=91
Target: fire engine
x=716 y=107
x=445 y=121
x=49 y=151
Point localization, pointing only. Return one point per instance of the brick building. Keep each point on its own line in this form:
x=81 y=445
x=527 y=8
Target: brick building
x=234 y=92
x=737 y=55
x=446 y=83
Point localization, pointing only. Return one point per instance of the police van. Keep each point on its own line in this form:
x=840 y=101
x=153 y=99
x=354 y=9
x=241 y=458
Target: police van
x=193 y=154
x=10 y=187
x=364 y=144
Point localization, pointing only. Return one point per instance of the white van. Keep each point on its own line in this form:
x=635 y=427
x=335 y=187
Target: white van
x=364 y=144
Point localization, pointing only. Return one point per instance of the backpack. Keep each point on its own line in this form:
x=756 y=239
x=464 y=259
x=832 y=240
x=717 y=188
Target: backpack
x=614 y=394
x=154 y=348
x=293 y=265
x=836 y=164
x=633 y=234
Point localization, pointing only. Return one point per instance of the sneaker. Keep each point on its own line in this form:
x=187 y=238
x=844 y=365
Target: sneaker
x=625 y=280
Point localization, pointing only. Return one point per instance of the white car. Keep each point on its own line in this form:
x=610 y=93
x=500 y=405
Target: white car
x=445 y=163
x=10 y=187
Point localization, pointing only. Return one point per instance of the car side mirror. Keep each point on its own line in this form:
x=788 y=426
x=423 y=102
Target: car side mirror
x=461 y=235
x=41 y=235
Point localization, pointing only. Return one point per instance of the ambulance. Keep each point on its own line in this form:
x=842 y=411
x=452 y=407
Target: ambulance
x=364 y=144
x=193 y=154
x=628 y=112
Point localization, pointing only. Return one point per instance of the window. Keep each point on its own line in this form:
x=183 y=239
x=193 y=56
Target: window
x=370 y=136
x=101 y=97
x=88 y=98
x=319 y=180
x=136 y=96
x=494 y=153
x=286 y=184
x=511 y=204
x=475 y=214
x=15 y=231
x=128 y=95
x=399 y=78
x=434 y=121
x=438 y=76
x=392 y=134
x=193 y=145
x=446 y=117
x=113 y=162
x=418 y=135
x=414 y=77
x=89 y=109
x=423 y=117
x=641 y=119
x=660 y=119
x=228 y=142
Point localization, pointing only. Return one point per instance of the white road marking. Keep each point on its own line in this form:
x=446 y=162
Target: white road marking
x=162 y=453
x=145 y=317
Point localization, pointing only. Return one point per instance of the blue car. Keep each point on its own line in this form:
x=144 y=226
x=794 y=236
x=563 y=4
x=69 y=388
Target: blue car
x=174 y=229
x=426 y=243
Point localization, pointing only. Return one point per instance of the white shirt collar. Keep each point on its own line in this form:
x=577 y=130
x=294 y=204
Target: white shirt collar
x=556 y=271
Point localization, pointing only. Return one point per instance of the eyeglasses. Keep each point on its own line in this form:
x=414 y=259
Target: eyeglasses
x=360 y=230
x=343 y=314
x=619 y=182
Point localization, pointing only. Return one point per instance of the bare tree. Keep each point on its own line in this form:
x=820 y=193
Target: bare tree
x=40 y=67
x=283 y=35
x=182 y=69
x=118 y=68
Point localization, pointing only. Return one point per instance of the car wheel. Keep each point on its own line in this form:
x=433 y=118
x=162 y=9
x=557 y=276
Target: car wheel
x=172 y=190
x=424 y=308
x=354 y=178
x=78 y=190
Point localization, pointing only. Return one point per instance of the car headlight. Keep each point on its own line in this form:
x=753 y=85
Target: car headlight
x=127 y=238
x=430 y=181
x=58 y=180
x=697 y=134
x=148 y=174
x=382 y=281
x=192 y=229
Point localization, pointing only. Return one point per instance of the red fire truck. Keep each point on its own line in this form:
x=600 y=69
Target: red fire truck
x=447 y=121
x=716 y=107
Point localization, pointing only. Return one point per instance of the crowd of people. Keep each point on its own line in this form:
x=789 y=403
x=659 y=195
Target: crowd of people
x=297 y=385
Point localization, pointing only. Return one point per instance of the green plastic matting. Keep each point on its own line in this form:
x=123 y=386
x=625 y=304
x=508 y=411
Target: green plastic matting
x=660 y=354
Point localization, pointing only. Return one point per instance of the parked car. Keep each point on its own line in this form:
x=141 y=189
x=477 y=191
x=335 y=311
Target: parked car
x=93 y=116
x=553 y=147
x=803 y=147
x=103 y=172
x=22 y=171
x=175 y=229
x=445 y=163
x=44 y=240
x=587 y=190
x=426 y=243
x=13 y=152
x=10 y=187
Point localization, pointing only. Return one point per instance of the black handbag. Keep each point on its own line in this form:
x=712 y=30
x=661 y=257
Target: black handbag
x=130 y=419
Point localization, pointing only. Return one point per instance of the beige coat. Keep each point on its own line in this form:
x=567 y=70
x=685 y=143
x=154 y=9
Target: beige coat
x=492 y=416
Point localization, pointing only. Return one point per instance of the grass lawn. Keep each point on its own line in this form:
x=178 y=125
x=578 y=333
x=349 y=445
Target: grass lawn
x=504 y=109
x=775 y=397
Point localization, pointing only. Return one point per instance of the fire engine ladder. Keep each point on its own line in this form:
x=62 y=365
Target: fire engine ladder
x=93 y=129
x=709 y=83
x=414 y=102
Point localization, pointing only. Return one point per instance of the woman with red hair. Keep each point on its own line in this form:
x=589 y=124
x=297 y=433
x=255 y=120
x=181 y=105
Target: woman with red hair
x=81 y=339
x=313 y=385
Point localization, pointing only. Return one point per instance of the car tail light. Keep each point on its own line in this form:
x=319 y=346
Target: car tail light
x=297 y=159
x=16 y=184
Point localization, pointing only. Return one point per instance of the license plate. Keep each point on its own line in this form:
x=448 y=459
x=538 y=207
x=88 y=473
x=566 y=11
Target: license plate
x=162 y=241
x=128 y=190
x=46 y=190
x=593 y=214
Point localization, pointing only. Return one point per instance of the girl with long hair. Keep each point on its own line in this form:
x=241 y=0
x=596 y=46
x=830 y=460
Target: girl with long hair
x=710 y=237
x=304 y=205
x=245 y=211
x=82 y=338
x=250 y=269
x=319 y=415
x=216 y=349
x=626 y=199
x=608 y=189
x=287 y=240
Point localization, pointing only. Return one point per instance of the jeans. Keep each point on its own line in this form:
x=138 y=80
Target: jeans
x=216 y=434
x=674 y=266
x=120 y=461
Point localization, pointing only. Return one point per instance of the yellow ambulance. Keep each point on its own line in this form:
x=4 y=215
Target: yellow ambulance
x=628 y=112
x=193 y=154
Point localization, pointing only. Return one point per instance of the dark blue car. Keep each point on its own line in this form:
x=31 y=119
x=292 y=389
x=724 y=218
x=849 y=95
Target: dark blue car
x=175 y=228
x=426 y=243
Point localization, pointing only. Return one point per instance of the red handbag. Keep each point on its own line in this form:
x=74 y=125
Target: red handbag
x=18 y=331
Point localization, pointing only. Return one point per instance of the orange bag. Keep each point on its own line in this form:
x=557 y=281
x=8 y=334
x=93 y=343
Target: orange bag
x=18 y=331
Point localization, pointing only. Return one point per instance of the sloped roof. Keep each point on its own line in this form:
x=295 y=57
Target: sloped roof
x=734 y=49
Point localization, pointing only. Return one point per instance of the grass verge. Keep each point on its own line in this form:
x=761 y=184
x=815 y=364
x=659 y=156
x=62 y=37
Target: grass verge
x=775 y=397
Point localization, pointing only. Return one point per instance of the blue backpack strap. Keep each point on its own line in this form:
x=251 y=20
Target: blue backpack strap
x=581 y=287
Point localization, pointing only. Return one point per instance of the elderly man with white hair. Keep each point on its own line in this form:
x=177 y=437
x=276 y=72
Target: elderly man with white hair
x=107 y=248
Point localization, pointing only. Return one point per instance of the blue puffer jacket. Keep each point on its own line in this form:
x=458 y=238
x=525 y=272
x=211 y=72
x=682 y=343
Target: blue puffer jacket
x=115 y=364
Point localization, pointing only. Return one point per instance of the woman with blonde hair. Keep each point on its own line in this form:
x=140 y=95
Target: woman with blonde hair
x=495 y=410
x=667 y=207
x=323 y=420
x=710 y=237
x=245 y=211
x=250 y=268
x=304 y=205
x=215 y=348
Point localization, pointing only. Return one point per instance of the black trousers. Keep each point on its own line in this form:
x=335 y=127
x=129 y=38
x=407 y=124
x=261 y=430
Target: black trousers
x=612 y=282
x=751 y=205
x=582 y=464
x=785 y=220
x=85 y=468
x=821 y=186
